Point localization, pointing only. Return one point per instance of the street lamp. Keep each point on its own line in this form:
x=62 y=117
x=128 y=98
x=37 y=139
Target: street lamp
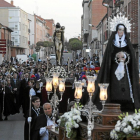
x=91 y=25
x=107 y=5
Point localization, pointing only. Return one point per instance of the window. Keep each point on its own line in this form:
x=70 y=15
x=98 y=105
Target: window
x=24 y=27
x=16 y=27
x=23 y=39
x=19 y=26
x=16 y=40
x=12 y=38
x=11 y=13
x=11 y=25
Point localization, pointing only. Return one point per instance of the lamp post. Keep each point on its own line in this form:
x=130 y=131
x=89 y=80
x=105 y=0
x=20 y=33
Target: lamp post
x=55 y=81
x=90 y=110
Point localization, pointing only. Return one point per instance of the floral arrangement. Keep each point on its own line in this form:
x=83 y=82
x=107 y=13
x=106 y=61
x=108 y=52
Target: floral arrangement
x=70 y=121
x=127 y=126
x=58 y=69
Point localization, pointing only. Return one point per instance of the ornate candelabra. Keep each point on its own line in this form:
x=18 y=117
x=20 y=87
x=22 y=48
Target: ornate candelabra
x=55 y=81
x=90 y=110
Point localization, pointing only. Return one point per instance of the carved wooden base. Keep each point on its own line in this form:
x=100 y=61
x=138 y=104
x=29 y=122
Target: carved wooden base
x=104 y=123
x=134 y=138
x=109 y=116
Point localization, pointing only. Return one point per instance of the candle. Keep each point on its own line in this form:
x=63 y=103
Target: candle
x=55 y=80
x=78 y=93
x=103 y=91
x=91 y=84
x=103 y=95
x=48 y=86
x=61 y=87
x=91 y=87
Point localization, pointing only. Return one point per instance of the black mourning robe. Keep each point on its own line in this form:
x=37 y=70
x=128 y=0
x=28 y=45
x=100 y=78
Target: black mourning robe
x=40 y=121
x=10 y=107
x=22 y=97
x=1 y=101
x=26 y=125
x=105 y=76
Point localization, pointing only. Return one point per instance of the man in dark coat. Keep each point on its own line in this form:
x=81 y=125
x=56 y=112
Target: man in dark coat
x=15 y=88
x=29 y=90
x=1 y=101
x=42 y=123
x=24 y=84
x=36 y=110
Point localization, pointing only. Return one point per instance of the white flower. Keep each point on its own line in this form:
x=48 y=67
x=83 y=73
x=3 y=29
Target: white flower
x=113 y=134
x=129 y=128
x=117 y=129
x=125 y=130
x=118 y=124
x=124 y=124
x=139 y=122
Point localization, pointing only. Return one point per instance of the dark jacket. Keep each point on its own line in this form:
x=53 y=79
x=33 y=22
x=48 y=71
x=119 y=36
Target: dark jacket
x=26 y=126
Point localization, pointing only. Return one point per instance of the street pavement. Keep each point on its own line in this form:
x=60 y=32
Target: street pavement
x=13 y=129
x=65 y=55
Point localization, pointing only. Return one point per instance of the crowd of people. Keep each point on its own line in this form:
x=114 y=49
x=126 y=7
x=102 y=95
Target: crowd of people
x=20 y=81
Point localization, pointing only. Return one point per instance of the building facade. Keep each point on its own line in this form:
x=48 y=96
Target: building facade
x=41 y=34
x=5 y=33
x=51 y=25
x=91 y=19
x=16 y=19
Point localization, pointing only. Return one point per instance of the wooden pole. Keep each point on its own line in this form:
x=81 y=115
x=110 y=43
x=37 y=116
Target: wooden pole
x=30 y=115
x=47 y=65
x=68 y=65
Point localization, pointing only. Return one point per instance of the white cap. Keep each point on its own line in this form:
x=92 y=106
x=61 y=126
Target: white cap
x=121 y=27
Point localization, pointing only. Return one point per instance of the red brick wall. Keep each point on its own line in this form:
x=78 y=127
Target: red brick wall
x=49 y=23
x=134 y=16
x=13 y=52
x=98 y=12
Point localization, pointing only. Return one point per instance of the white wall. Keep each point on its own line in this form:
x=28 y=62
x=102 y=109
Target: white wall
x=32 y=28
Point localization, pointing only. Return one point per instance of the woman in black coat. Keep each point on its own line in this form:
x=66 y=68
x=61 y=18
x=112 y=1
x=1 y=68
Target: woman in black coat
x=10 y=107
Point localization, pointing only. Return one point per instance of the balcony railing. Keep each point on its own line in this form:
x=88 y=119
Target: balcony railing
x=10 y=43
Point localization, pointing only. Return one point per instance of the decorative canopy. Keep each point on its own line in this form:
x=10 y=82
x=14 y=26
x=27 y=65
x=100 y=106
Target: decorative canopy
x=120 y=19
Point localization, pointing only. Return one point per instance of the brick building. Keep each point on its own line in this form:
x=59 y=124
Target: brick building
x=51 y=24
x=93 y=12
x=5 y=33
x=16 y=19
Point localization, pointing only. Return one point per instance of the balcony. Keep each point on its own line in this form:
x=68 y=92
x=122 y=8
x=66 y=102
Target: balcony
x=10 y=43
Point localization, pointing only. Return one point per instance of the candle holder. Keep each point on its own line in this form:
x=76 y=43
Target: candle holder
x=78 y=91
x=90 y=110
x=55 y=100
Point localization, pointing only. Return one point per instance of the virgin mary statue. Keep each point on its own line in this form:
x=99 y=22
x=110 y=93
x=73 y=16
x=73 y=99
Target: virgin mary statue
x=119 y=68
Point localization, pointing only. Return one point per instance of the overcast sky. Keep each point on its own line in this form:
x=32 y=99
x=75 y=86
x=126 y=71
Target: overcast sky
x=66 y=12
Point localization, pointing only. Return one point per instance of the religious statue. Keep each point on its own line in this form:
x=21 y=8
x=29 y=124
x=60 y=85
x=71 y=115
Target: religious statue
x=59 y=42
x=119 y=68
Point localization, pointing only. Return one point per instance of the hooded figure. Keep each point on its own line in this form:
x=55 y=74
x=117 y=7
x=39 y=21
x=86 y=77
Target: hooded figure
x=119 y=69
